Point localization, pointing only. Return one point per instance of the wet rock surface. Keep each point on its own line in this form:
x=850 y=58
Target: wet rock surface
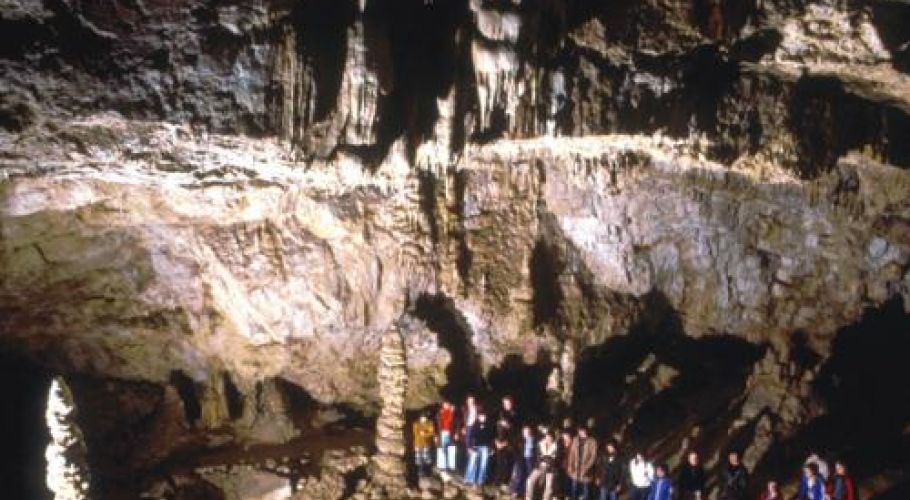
x=212 y=214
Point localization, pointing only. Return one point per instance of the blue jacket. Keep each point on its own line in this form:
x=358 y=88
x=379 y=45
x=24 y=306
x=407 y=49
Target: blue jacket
x=816 y=492
x=661 y=489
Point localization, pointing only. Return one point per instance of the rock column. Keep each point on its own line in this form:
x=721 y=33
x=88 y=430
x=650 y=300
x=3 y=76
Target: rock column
x=67 y=469
x=388 y=468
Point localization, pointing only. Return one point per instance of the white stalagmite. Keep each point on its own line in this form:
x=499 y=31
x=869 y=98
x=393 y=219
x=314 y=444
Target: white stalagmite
x=67 y=470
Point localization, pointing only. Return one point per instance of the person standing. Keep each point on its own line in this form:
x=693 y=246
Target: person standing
x=820 y=463
x=662 y=487
x=545 y=470
x=562 y=461
x=812 y=485
x=446 y=446
x=691 y=481
x=609 y=473
x=508 y=413
x=735 y=479
x=476 y=473
x=525 y=464
x=580 y=467
x=503 y=454
x=641 y=475
x=424 y=433
x=469 y=413
x=841 y=484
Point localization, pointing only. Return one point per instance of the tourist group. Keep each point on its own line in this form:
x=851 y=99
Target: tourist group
x=566 y=461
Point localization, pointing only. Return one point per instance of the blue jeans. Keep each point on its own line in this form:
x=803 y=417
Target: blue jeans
x=478 y=461
x=446 y=453
x=608 y=494
x=578 y=490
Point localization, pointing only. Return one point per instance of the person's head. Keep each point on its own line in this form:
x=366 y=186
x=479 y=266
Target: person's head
x=660 y=470
x=446 y=404
x=424 y=417
x=639 y=457
x=470 y=401
x=733 y=458
x=481 y=416
x=567 y=423
x=507 y=403
x=583 y=432
x=772 y=487
x=591 y=422
x=504 y=423
x=840 y=468
x=566 y=437
x=527 y=432
x=811 y=469
x=548 y=437
x=693 y=458
x=611 y=448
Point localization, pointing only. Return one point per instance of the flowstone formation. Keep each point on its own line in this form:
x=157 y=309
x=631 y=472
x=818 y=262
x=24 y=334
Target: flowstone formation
x=687 y=219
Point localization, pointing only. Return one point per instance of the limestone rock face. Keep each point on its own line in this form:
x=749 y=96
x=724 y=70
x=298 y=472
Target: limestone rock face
x=201 y=203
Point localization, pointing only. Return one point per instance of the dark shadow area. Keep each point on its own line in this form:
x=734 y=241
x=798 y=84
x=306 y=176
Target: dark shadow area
x=655 y=384
x=414 y=48
x=427 y=187
x=827 y=120
x=186 y=389
x=864 y=386
x=322 y=31
x=464 y=373
x=23 y=431
x=892 y=20
x=233 y=397
x=547 y=293
x=130 y=428
x=526 y=383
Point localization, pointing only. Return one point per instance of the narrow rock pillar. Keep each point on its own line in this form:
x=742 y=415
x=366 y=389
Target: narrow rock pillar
x=67 y=465
x=388 y=467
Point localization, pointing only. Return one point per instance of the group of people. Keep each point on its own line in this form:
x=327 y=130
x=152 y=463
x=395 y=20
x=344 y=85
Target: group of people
x=568 y=462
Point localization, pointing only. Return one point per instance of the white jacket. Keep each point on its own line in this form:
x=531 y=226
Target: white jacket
x=641 y=472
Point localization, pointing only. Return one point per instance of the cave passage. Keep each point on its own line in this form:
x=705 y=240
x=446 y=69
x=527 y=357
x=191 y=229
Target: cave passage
x=653 y=385
x=867 y=423
x=23 y=430
x=442 y=317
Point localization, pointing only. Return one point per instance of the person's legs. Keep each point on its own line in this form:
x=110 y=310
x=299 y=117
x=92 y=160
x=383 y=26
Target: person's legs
x=452 y=458
x=484 y=460
x=549 y=481
x=441 y=462
x=531 y=484
x=470 y=472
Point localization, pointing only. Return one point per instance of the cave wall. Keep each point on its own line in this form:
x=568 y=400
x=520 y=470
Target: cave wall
x=262 y=189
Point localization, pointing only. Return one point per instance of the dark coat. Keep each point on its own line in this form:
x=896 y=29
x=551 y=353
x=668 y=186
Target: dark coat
x=734 y=482
x=609 y=473
x=483 y=434
x=691 y=479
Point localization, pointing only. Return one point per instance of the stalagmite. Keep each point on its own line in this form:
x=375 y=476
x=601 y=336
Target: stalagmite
x=67 y=470
x=388 y=464
x=213 y=403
